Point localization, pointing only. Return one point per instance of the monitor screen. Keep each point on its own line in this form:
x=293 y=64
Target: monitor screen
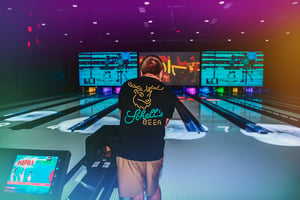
x=180 y=68
x=32 y=174
x=107 y=68
x=232 y=68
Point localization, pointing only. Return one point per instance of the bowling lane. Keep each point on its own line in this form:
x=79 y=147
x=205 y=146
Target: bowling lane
x=227 y=165
x=176 y=128
x=67 y=121
x=21 y=109
x=42 y=137
x=260 y=106
x=213 y=121
x=59 y=136
x=186 y=156
x=245 y=113
x=19 y=119
x=289 y=100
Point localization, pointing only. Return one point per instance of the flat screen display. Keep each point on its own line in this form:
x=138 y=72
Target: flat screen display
x=232 y=68
x=31 y=174
x=107 y=68
x=180 y=68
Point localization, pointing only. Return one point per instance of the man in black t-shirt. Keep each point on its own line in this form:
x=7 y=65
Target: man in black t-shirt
x=146 y=106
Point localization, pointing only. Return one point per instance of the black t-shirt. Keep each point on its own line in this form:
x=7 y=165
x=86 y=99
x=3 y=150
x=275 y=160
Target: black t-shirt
x=145 y=103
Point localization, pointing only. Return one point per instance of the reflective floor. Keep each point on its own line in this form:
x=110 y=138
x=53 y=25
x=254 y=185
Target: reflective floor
x=223 y=163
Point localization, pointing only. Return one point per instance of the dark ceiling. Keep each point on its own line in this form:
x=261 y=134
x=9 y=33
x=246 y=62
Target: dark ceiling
x=127 y=24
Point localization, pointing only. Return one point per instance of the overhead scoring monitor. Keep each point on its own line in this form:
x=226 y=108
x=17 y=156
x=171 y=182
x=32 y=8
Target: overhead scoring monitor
x=180 y=68
x=106 y=68
x=232 y=68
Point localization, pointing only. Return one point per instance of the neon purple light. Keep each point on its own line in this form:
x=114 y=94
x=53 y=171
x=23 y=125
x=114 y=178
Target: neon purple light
x=191 y=91
x=249 y=90
x=118 y=90
x=107 y=89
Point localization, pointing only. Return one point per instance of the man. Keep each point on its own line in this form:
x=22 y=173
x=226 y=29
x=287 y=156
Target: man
x=146 y=105
x=248 y=64
x=125 y=57
x=107 y=67
x=231 y=68
x=124 y=60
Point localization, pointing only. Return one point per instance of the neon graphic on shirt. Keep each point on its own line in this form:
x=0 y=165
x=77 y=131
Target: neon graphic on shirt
x=142 y=98
x=143 y=115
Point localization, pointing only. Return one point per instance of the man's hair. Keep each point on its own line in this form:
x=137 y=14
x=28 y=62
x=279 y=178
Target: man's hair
x=151 y=64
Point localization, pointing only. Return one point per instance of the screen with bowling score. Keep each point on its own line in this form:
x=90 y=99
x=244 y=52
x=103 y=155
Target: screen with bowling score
x=232 y=68
x=107 y=68
x=180 y=68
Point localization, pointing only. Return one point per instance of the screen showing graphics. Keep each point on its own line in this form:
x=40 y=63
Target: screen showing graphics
x=232 y=68
x=107 y=68
x=180 y=68
x=31 y=174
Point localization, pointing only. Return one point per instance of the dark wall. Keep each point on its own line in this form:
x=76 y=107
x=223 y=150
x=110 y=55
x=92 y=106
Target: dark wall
x=282 y=66
x=26 y=74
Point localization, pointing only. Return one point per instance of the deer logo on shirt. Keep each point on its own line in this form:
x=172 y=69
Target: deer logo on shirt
x=142 y=97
